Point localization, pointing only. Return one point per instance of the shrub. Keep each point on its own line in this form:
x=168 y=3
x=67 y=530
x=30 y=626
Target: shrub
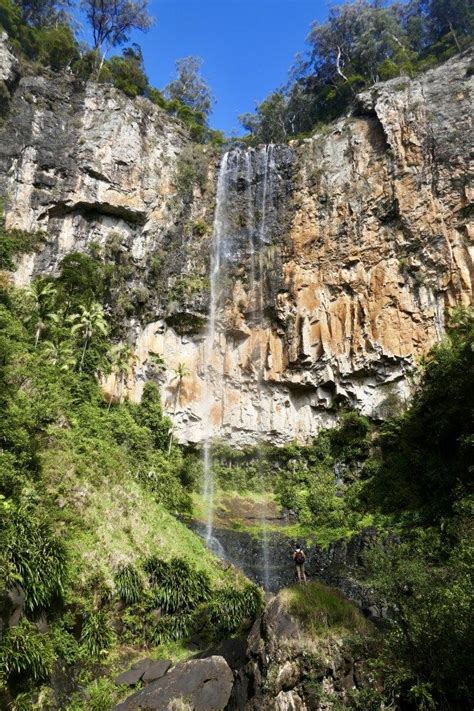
x=126 y=73
x=16 y=242
x=97 y=635
x=229 y=608
x=25 y=651
x=37 y=556
x=171 y=628
x=177 y=587
x=129 y=584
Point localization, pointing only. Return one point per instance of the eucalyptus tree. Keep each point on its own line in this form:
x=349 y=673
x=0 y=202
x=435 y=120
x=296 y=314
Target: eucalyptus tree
x=189 y=88
x=112 y=21
x=43 y=13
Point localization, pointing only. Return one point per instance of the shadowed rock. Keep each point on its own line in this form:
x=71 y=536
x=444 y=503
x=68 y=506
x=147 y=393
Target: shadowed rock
x=205 y=684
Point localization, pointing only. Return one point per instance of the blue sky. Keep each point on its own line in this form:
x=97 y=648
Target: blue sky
x=247 y=46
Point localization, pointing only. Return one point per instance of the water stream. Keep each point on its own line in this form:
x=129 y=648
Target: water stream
x=240 y=232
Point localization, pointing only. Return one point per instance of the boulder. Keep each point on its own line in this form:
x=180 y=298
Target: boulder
x=156 y=671
x=134 y=674
x=205 y=684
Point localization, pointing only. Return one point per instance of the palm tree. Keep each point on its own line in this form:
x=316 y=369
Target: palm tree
x=122 y=358
x=88 y=322
x=60 y=353
x=182 y=371
x=42 y=294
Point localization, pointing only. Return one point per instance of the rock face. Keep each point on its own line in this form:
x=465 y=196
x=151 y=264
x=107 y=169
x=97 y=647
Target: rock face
x=344 y=250
x=291 y=670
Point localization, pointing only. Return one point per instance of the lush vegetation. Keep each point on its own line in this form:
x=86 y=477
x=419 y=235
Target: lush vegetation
x=89 y=490
x=361 y=43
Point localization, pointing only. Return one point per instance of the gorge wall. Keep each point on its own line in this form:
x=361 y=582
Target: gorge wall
x=346 y=248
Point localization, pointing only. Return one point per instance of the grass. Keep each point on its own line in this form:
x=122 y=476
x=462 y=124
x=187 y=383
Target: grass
x=122 y=523
x=323 y=610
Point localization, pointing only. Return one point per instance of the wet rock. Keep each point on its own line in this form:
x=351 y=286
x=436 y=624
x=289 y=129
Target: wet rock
x=205 y=684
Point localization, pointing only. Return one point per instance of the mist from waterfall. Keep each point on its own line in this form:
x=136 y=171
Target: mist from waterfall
x=240 y=232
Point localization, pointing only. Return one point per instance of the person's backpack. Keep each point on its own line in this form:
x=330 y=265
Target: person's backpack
x=299 y=558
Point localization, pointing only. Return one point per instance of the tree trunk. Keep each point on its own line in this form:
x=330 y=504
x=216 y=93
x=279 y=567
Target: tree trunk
x=84 y=353
x=454 y=36
x=176 y=400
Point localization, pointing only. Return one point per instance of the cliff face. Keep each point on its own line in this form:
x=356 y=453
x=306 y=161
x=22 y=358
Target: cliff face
x=340 y=253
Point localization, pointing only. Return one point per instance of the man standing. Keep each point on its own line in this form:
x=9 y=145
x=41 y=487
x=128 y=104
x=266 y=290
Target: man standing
x=300 y=558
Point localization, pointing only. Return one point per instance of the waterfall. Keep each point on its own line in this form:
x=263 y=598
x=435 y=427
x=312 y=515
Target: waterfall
x=219 y=236
x=268 y=165
x=241 y=230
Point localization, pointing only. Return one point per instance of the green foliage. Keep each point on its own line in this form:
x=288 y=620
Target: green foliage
x=230 y=608
x=428 y=450
x=35 y=557
x=362 y=42
x=171 y=628
x=126 y=73
x=14 y=243
x=427 y=580
x=129 y=584
x=97 y=635
x=81 y=278
x=177 y=587
x=26 y=652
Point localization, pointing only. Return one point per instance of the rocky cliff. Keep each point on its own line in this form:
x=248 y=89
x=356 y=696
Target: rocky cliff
x=343 y=250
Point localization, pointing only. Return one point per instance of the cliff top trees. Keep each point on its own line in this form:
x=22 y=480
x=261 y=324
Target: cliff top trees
x=362 y=42
x=113 y=20
x=189 y=88
x=42 y=13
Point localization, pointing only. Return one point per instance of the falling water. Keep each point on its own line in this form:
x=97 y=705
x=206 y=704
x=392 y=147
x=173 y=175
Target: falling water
x=218 y=245
x=250 y=173
x=268 y=165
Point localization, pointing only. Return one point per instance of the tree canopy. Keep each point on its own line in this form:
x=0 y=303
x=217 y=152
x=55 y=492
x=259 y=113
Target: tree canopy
x=189 y=88
x=360 y=43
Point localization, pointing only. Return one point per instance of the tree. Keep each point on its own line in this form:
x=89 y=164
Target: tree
x=269 y=123
x=181 y=372
x=44 y=13
x=122 y=359
x=88 y=322
x=127 y=72
x=189 y=88
x=60 y=354
x=42 y=294
x=113 y=20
